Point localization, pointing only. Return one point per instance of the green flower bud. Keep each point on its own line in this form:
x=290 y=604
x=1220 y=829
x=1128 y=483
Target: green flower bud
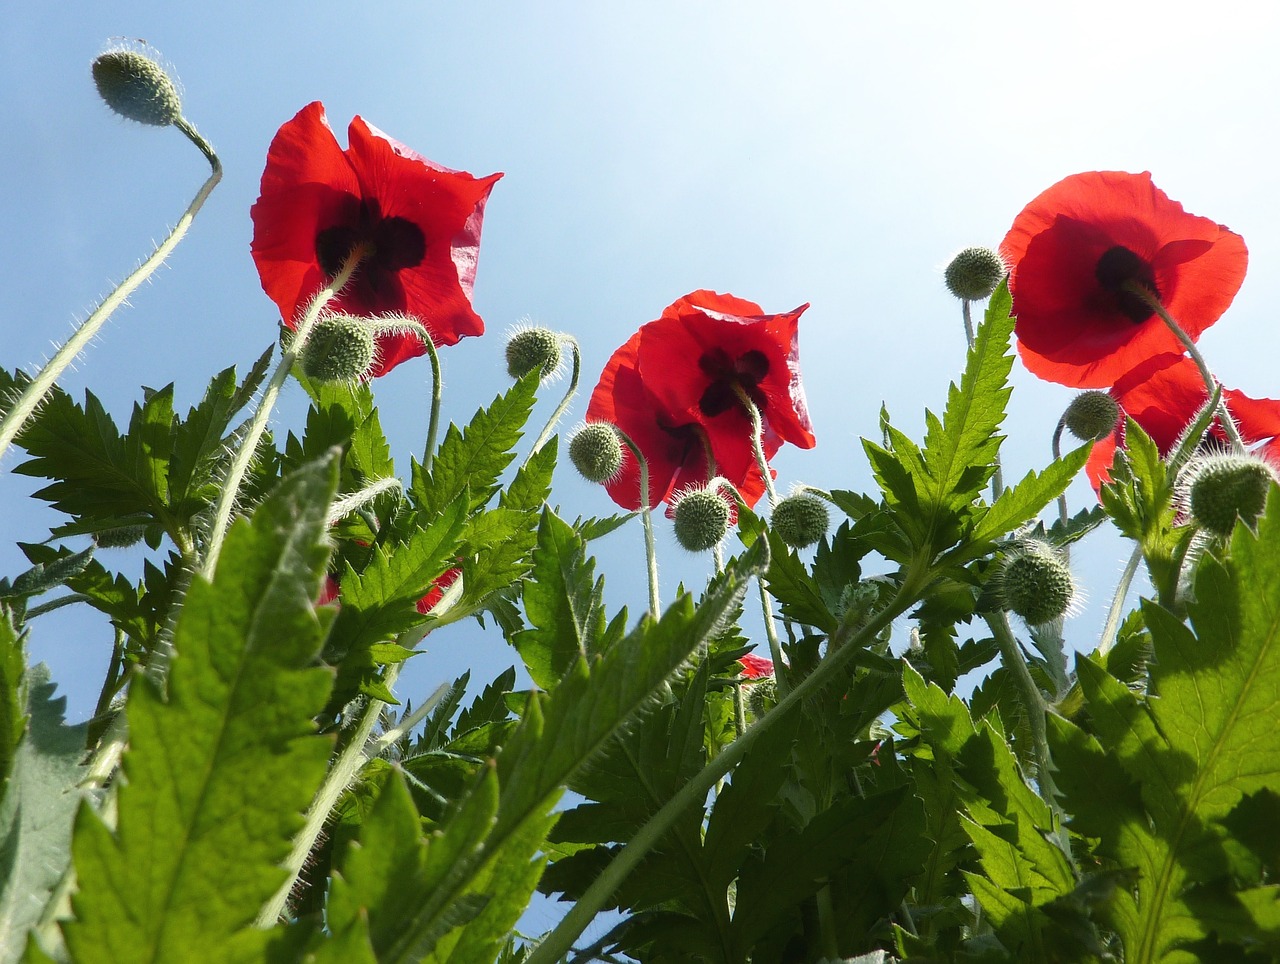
x=801 y=520
x=121 y=537
x=701 y=519
x=341 y=349
x=1092 y=416
x=762 y=696
x=1035 y=583
x=1228 y=487
x=974 y=273
x=596 y=452
x=137 y=87
x=533 y=348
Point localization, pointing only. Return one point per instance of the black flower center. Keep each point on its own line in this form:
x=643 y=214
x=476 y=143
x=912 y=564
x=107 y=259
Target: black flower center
x=1117 y=271
x=394 y=243
x=728 y=373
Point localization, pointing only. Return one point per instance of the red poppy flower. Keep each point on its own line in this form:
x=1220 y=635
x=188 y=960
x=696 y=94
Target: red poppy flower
x=1163 y=395
x=672 y=389
x=755 y=667
x=423 y=222
x=1073 y=250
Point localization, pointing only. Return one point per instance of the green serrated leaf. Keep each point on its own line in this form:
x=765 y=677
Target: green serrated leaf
x=563 y=602
x=1023 y=501
x=381 y=602
x=531 y=486
x=36 y=813
x=474 y=458
x=589 y=708
x=1161 y=793
x=219 y=773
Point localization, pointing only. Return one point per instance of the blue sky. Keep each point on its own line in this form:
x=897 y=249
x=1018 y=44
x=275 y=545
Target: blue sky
x=831 y=153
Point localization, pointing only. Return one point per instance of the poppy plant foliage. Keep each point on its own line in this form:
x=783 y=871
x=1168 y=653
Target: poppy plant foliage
x=420 y=221
x=1077 y=252
x=1164 y=394
x=673 y=389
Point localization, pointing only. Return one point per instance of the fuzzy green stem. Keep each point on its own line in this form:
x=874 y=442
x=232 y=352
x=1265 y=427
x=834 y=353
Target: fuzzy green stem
x=757 y=441
x=560 y=940
x=355 y=501
x=1112 y=625
x=43 y=383
x=827 y=942
x=780 y=674
x=344 y=770
x=249 y=442
x=1210 y=383
x=1034 y=705
x=437 y=394
x=1062 y=498
x=650 y=546
x=54 y=604
x=568 y=396
x=967 y=312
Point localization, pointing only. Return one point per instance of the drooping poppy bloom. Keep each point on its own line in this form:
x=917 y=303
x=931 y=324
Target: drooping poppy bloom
x=1075 y=249
x=421 y=221
x=673 y=389
x=755 y=667
x=1164 y=394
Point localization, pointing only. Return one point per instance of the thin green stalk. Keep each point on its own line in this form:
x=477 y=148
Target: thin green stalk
x=1112 y=626
x=650 y=546
x=249 y=441
x=1210 y=383
x=437 y=393
x=780 y=675
x=968 y=321
x=757 y=441
x=43 y=383
x=1034 y=705
x=355 y=501
x=568 y=396
x=997 y=478
x=55 y=604
x=560 y=940
x=343 y=770
x=1062 y=499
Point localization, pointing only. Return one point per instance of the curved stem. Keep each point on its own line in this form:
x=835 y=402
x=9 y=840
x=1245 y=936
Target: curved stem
x=53 y=604
x=757 y=441
x=1112 y=625
x=1034 y=705
x=646 y=517
x=1210 y=383
x=437 y=393
x=343 y=770
x=997 y=477
x=780 y=675
x=249 y=442
x=1063 y=514
x=348 y=504
x=967 y=312
x=568 y=396
x=584 y=910
x=43 y=383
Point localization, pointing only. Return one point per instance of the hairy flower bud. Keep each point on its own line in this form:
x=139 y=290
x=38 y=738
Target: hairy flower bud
x=137 y=87
x=762 y=696
x=341 y=349
x=596 y=451
x=1092 y=415
x=533 y=348
x=1035 y=582
x=701 y=519
x=1224 y=488
x=120 y=537
x=800 y=520
x=974 y=273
